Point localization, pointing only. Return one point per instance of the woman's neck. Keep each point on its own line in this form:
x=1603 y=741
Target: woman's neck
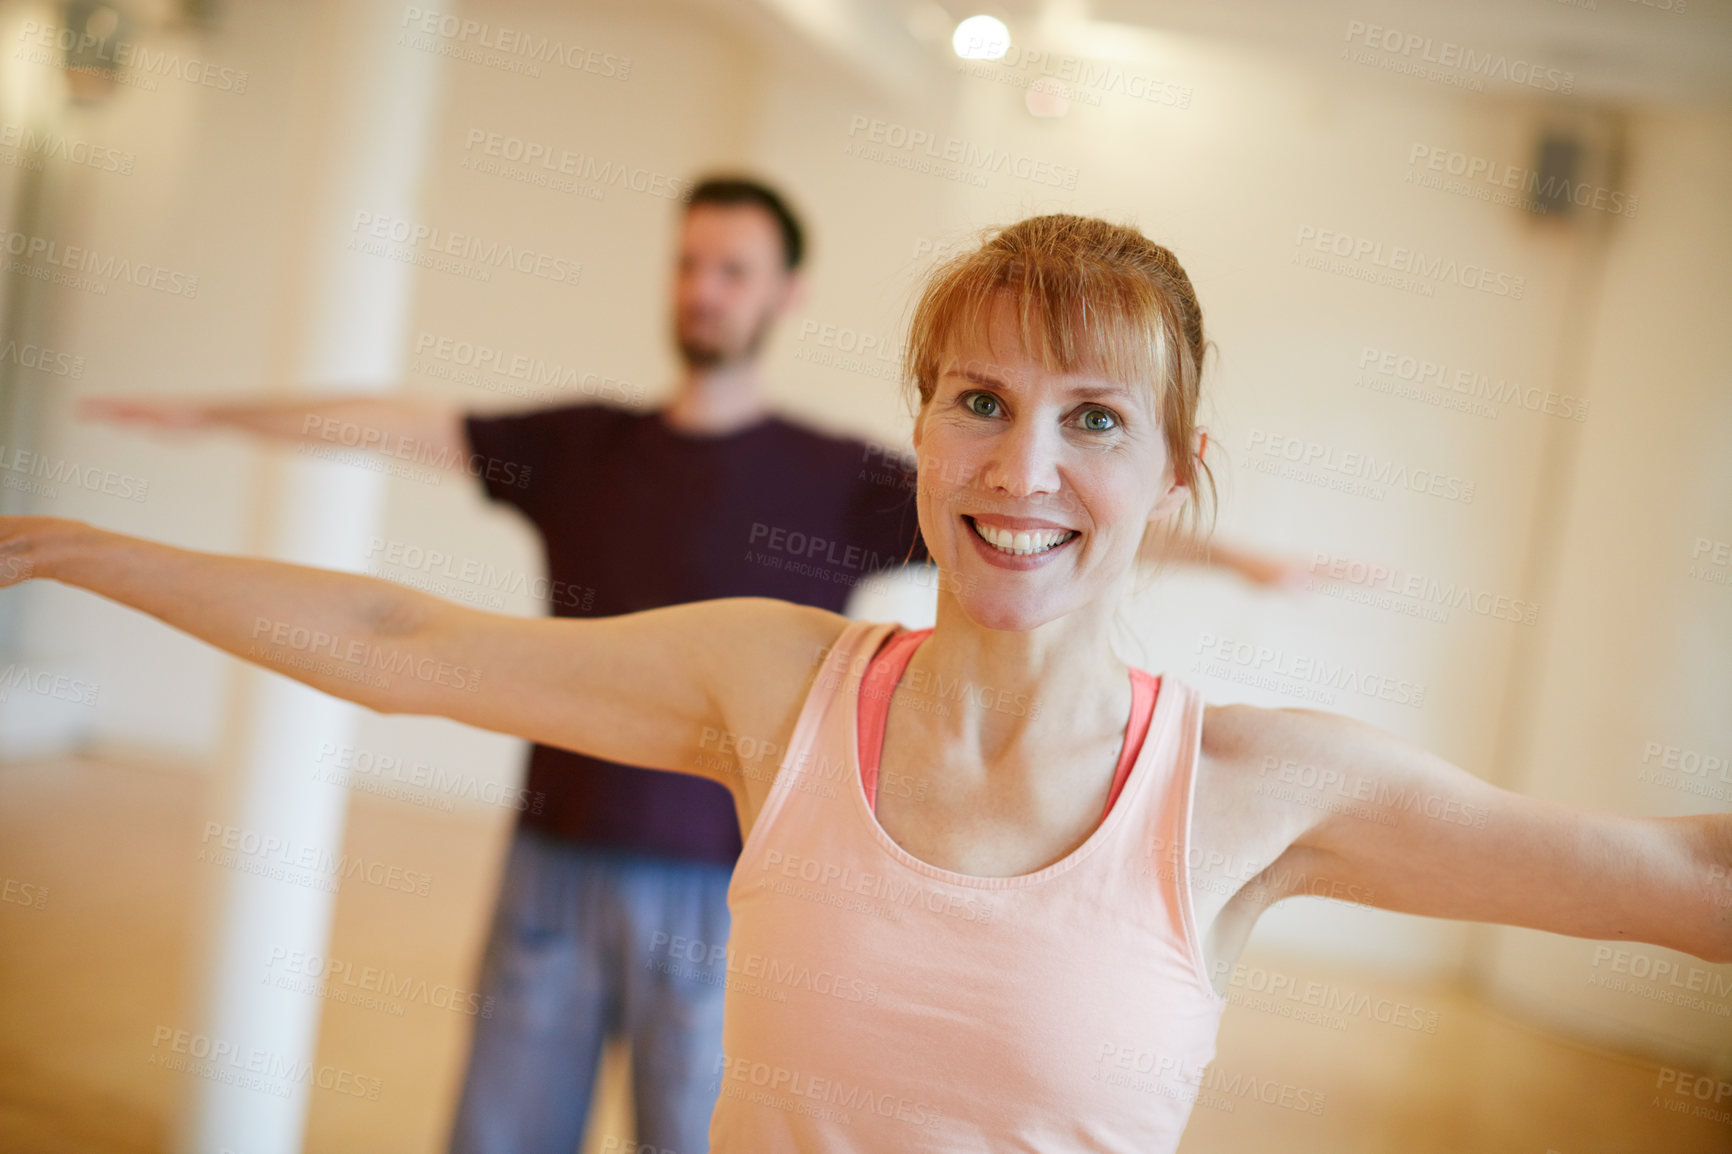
x=1050 y=686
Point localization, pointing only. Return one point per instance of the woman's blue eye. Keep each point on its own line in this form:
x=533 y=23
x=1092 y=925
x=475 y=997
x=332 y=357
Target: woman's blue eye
x=1093 y=426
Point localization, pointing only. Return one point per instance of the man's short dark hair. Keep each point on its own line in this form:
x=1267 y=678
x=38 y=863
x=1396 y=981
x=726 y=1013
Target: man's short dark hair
x=729 y=190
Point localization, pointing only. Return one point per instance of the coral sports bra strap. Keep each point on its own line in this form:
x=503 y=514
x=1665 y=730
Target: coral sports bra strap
x=885 y=670
x=1145 y=688
x=875 y=690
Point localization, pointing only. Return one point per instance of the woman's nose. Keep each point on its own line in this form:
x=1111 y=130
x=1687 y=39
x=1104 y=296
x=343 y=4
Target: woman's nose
x=1024 y=460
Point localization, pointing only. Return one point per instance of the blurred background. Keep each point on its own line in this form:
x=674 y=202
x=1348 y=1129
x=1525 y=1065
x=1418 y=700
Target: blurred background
x=1468 y=269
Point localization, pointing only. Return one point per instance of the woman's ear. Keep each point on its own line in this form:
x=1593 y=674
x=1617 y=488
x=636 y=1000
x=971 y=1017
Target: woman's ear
x=1170 y=502
x=1178 y=493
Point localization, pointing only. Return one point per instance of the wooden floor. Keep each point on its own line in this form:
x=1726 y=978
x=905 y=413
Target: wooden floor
x=108 y=852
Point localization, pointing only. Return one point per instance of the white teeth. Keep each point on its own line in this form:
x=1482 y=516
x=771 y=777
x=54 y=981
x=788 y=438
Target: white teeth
x=1022 y=541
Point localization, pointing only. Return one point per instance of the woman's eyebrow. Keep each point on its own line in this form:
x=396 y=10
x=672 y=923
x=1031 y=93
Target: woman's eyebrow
x=977 y=376
x=1101 y=391
x=1087 y=392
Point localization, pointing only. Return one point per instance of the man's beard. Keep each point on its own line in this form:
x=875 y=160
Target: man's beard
x=700 y=354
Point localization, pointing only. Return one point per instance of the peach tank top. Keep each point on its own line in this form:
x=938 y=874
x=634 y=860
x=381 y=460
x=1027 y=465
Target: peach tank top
x=875 y=1002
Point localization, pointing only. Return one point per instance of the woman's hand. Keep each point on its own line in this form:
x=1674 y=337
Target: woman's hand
x=26 y=543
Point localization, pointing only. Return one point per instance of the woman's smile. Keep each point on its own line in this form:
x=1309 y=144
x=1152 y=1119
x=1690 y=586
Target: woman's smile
x=1017 y=542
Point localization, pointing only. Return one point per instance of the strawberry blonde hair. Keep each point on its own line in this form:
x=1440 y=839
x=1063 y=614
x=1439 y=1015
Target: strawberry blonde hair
x=1089 y=296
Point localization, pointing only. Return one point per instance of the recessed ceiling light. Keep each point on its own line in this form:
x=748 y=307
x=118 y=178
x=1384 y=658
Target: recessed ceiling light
x=981 y=38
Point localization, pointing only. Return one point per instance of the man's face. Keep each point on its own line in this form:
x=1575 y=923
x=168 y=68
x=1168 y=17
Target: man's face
x=730 y=285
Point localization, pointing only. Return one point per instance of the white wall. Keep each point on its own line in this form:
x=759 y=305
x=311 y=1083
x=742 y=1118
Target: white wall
x=212 y=194
x=1635 y=665
x=1626 y=649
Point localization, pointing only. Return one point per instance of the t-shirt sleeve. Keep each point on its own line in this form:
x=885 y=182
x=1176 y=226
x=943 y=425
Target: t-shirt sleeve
x=519 y=457
x=886 y=522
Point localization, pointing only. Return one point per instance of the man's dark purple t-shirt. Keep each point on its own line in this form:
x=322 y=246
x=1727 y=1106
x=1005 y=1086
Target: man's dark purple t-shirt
x=634 y=515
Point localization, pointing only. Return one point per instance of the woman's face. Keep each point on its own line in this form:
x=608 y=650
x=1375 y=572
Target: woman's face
x=1035 y=487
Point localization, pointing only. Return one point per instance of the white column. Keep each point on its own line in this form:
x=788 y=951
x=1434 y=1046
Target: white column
x=354 y=330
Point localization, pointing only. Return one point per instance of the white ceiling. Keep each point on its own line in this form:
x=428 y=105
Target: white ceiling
x=1623 y=53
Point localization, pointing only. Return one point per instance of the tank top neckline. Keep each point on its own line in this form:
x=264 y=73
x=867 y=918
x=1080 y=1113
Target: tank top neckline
x=894 y=656
x=1134 y=786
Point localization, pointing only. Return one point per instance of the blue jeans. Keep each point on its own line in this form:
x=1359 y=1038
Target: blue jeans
x=581 y=948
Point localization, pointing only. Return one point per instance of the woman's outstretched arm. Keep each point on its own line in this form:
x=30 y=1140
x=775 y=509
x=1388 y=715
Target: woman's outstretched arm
x=1411 y=832
x=642 y=689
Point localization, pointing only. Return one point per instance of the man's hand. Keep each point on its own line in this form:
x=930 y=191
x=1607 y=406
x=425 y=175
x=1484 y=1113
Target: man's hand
x=1266 y=570
x=171 y=413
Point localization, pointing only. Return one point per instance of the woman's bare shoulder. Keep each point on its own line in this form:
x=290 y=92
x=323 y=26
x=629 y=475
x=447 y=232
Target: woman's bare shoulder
x=1250 y=758
x=761 y=658
x=765 y=640
x=1251 y=738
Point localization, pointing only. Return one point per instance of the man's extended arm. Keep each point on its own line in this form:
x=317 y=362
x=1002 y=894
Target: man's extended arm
x=1265 y=569
x=387 y=423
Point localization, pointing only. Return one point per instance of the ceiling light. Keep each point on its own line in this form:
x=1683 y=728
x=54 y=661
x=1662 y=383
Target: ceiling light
x=981 y=38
